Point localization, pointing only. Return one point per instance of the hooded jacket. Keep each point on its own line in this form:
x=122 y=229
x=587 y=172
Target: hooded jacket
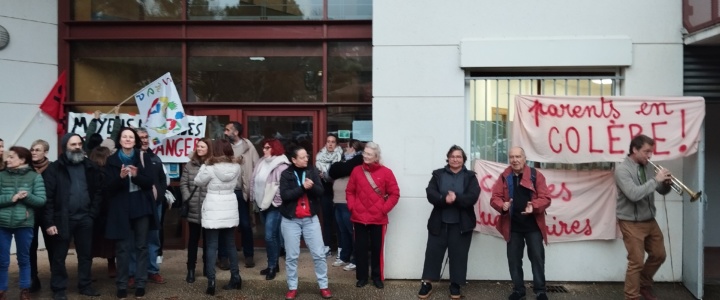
x=220 y=207
x=365 y=205
x=540 y=200
x=57 y=188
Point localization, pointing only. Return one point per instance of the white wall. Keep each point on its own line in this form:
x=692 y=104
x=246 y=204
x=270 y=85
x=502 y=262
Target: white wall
x=419 y=109
x=28 y=70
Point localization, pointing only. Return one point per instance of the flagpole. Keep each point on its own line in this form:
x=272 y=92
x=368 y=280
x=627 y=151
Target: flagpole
x=121 y=103
x=24 y=129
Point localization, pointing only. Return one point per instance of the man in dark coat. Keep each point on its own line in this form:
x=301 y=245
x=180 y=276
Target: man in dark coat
x=73 y=187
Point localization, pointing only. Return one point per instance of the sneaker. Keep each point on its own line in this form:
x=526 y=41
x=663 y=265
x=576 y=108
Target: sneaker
x=338 y=263
x=350 y=267
x=543 y=296
x=325 y=293
x=158 y=260
x=455 y=291
x=156 y=278
x=516 y=296
x=425 y=290
x=328 y=253
x=140 y=293
x=291 y=294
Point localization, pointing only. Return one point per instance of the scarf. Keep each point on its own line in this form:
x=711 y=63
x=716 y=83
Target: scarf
x=126 y=159
x=41 y=165
x=325 y=158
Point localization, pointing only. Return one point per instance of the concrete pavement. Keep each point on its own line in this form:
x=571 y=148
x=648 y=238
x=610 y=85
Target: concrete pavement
x=342 y=284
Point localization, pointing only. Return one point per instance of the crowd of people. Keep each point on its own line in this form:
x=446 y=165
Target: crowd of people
x=120 y=181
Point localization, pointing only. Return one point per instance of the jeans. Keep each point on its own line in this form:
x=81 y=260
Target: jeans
x=135 y=243
x=212 y=238
x=23 y=238
x=272 y=235
x=81 y=232
x=192 y=247
x=309 y=229
x=536 y=253
x=342 y=217
x=153 y=247
x=245 y=230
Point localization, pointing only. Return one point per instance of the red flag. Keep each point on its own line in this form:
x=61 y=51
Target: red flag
x=53 y=103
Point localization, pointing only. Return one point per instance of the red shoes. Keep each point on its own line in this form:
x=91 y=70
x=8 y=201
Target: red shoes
x=291 y=294
x=325 y=293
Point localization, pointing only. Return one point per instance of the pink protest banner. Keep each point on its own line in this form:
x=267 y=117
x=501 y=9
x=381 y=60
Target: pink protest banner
x=599 y=129
x=583 y=203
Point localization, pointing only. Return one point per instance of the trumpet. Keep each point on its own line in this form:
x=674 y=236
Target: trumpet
x=678 y=186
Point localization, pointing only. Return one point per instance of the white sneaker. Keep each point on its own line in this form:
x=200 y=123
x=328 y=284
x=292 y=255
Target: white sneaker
x=350 y=267
x=338 y=263
x=159 y=259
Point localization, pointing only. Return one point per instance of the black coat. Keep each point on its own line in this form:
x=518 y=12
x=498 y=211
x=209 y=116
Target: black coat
x=344 y=168
x=465 y=202
x=159 y=177
x=118 y=195
x=57 y=190
x=290 y=191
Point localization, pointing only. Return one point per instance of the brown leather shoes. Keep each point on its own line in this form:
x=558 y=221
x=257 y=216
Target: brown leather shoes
x=647 y=293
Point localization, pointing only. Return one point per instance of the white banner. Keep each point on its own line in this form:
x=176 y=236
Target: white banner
x=582 y=203
x=172 y=150
x=599 y=129
x=161 y=110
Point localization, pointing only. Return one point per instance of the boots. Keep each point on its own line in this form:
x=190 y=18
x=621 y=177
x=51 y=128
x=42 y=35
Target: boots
x=190 y=278
x=35 y=286
x=25 y=294
x=211 y=287
x=234 y=284
x=112 y=269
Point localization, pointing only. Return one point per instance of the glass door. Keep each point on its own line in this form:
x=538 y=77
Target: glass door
x=296 y=126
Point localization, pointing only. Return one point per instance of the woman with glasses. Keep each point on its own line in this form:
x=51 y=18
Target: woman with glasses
x=372 y=192
x=266 y=176
x=300 y=191
x=40 y=162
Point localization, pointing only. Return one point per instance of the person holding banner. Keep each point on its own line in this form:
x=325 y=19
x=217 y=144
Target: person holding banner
x=130 y=208
x=453 y=192
x=521 y=197
x=637 y=183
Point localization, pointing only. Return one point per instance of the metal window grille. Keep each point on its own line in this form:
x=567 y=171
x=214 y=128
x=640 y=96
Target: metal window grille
x=492 y=109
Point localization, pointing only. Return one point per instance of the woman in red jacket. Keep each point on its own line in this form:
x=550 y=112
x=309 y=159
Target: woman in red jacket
x=372 y=192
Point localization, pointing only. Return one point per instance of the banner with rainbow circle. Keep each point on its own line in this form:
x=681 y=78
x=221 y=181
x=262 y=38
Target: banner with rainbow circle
x=161 y=110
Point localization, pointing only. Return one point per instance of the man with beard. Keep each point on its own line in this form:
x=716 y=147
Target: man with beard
x=245 y=150
x=73 y=188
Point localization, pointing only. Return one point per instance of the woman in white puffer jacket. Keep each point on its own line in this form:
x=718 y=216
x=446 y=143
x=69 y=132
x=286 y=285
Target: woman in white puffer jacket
x=219 y=213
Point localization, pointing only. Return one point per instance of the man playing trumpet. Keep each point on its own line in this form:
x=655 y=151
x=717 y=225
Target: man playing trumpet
x=637 y=181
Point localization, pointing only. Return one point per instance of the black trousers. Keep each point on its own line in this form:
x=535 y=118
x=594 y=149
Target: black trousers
x=457 y=246
x=81 y=232
x=192 y=247
x=369 y=237
x=34 y=247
